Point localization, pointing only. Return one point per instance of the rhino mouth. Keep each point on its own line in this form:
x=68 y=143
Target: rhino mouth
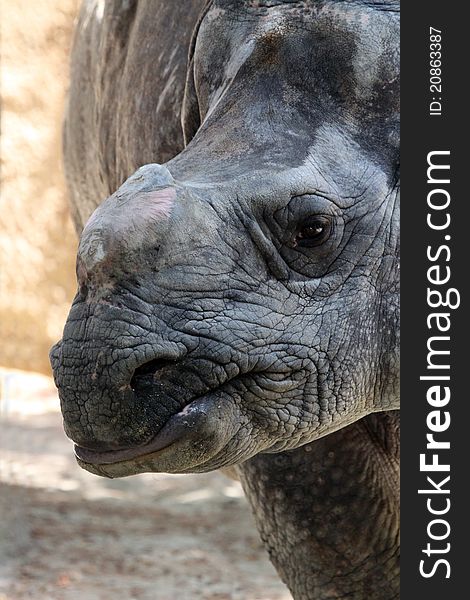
x=188 y=441
x=206 y=432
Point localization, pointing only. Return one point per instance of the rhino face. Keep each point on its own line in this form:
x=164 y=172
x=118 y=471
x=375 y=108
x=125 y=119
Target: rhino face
x=243 y=298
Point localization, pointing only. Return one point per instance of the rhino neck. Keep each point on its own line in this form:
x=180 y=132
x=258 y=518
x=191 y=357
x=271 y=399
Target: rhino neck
x=328 y=511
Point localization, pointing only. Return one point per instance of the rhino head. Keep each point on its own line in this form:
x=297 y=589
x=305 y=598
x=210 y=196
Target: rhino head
x=243 y=297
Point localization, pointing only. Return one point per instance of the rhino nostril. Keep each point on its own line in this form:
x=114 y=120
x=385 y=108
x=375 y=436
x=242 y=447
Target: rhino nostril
x=146 y=373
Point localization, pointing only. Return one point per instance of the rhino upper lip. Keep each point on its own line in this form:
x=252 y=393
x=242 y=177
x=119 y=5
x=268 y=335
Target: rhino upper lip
x=168 y=435
x=164 y=438
x=177 y=428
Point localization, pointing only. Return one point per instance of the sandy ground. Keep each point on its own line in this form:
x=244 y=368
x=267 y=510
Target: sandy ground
x=68 y=535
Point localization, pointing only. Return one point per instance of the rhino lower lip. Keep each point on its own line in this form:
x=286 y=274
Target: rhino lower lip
x=114 y=456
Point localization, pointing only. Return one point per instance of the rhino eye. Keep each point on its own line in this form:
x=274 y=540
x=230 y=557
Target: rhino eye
x=313 y=232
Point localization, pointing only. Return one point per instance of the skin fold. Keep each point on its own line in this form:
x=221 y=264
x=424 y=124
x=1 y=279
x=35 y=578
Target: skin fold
x=238 y=304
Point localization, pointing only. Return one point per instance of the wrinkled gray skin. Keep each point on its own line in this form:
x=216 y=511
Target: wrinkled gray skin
x=238 y=305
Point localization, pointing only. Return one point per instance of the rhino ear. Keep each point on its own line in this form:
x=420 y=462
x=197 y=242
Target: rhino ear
x=190 y=113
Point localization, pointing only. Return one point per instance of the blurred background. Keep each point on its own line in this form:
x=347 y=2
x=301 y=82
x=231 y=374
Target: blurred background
x=66 y=534
x=37 y=240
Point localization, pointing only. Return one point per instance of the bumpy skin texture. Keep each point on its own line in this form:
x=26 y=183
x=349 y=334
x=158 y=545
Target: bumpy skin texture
x=239 y=304
x=328 y=512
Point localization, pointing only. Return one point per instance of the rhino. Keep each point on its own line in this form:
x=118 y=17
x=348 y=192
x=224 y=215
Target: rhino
x=233 y=168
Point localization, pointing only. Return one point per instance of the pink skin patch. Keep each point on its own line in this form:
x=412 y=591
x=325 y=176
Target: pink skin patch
x=158 y=203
